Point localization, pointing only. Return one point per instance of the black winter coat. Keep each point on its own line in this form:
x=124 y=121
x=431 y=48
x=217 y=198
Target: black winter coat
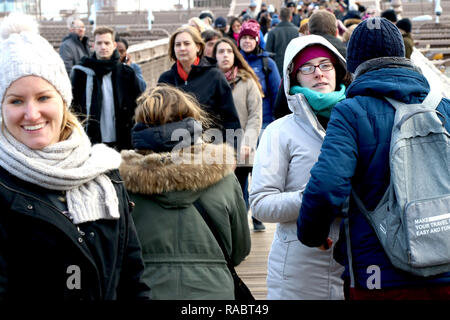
x=211 y=89
x=44 y=256
x=126 y=90
x=278 y=40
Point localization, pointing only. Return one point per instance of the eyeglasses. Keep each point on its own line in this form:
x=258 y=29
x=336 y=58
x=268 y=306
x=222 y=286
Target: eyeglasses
x=308 y=69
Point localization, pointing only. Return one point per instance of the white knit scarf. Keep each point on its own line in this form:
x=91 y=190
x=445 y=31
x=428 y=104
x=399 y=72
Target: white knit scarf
x=72 y=165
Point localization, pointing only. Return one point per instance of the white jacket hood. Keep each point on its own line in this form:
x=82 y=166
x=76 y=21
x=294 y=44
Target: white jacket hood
x=295 y=46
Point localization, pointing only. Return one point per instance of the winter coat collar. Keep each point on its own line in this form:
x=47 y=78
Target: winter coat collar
x=164 y=172
x=204 y=64
x=395 y=78
x=385 y=62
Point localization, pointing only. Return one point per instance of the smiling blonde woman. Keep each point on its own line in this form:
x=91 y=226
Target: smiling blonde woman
x=65 y=228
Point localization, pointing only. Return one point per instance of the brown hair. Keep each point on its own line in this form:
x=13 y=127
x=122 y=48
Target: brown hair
x=103 y=30
x=196 y=37
x=164 y=104
x=322 y=22
x=240 y=62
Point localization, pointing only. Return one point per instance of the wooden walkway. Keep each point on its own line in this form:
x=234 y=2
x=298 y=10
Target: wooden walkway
x=253 y=270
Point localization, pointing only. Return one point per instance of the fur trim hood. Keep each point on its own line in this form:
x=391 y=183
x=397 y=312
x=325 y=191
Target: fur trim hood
x=190 y=169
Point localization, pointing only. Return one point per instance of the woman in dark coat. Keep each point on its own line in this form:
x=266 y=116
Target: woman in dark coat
x=198 y=76
x=66 y=231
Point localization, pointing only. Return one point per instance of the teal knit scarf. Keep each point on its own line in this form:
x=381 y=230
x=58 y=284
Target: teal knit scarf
x=321 y=103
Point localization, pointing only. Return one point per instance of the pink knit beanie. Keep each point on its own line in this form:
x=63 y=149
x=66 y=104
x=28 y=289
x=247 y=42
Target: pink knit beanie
x=311 y=52
x=251 y=28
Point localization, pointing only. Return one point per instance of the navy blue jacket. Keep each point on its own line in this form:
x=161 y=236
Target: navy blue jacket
x=270 y=84
x=355 y=155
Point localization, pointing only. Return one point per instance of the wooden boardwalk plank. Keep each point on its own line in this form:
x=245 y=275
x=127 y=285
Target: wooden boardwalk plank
x=253 y=270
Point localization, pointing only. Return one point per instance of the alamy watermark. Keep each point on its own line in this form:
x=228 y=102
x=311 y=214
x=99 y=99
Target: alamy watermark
x=74 y=279
x=191 y=150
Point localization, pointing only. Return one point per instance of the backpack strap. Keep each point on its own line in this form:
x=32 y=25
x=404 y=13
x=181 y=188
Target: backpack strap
x=431 y=101
x=266 y=68
x=429 y=104
x=266 y=71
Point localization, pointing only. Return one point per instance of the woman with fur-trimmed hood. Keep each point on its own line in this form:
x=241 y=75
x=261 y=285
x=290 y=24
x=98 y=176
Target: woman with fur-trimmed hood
x=169 y=175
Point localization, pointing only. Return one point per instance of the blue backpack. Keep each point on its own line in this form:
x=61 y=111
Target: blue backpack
x=412 y=220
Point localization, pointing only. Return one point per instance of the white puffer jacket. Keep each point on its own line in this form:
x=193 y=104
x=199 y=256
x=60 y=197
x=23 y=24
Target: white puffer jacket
x=288 y=149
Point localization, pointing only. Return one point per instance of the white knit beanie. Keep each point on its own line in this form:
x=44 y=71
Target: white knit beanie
x=23 y=52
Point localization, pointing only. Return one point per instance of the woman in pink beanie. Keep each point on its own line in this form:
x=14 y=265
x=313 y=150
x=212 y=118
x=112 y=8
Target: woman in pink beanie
x=313 y=78
x=266 y=69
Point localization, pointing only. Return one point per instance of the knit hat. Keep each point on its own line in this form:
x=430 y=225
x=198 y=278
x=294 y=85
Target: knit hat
x=251 y=28
x=24 y=52
x=390 y=15
x=275 y=20
x=374 y=38
x=220 y=22
x=405 y=25
x=312 y=52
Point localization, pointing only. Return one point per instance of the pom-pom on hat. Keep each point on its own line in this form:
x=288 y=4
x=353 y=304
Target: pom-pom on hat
x=374 y=38
x=25 y=53
x=251 y=28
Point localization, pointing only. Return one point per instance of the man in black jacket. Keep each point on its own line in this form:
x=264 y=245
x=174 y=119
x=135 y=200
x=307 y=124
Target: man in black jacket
x=280 y=36
x=75 y=45
x=111 y=89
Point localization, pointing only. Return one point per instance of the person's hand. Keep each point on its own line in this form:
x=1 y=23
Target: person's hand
x=327 y=245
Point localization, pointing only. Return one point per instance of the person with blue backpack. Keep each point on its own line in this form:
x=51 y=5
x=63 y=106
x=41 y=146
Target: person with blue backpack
x=387 y=147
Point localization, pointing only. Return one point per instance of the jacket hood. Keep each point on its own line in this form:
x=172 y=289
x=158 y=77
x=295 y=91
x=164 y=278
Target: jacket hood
x=177 y=176
x=297 y=103
x=298 y=44
x=164 y=138
x=396 y=78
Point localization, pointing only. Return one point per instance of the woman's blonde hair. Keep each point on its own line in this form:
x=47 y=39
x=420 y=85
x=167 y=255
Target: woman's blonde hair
x=70 y=122
x=164 y=104
x=197 y=23
x=196 y=37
